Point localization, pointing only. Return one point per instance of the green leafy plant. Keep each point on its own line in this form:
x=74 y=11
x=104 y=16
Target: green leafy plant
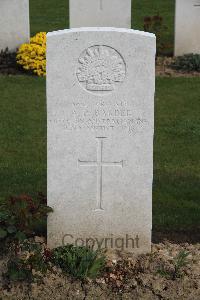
x=163 y=272
x=155 y=25
x=80 y=262
x=20 y=216
x=179 y=261
x=29 y=262
x=187 y=63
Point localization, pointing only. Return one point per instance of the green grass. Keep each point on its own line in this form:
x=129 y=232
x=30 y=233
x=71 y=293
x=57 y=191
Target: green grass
x=176 y=151
x=22 y=135
x=177 y=128
x=50 y=15
x=176 y=154
x=166 y=9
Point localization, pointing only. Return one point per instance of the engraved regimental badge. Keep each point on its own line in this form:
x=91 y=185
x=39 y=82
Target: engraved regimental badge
x=100 y=69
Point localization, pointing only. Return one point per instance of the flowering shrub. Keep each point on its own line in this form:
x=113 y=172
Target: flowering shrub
x=32 y=56
x=21 y=215
x=156 y=25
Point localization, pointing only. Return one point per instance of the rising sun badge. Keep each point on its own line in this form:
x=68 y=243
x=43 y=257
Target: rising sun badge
x=101 y=69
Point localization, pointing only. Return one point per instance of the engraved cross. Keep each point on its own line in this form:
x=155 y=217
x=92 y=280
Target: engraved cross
x=99 y=164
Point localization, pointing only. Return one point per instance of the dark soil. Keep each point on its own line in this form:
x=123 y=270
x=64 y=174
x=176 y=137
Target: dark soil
x=178 y=236
x=8 y=65
x=135 y=278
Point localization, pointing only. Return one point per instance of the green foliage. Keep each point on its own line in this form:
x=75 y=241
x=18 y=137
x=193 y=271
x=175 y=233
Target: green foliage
x=164 y=273
x=166 y=9
x=187 y=63
x=80 y=262
x=155 y=25
x=178 y=262
x=19 y=216
x=29 y=261
x=17 y=270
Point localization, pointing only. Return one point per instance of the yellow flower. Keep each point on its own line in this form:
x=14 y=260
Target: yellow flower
x=32 y=56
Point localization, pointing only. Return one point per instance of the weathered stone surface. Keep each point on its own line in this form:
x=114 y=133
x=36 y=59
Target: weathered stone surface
x=14 y=23
x=187 y=24
x=100 y=102
x=100 y=13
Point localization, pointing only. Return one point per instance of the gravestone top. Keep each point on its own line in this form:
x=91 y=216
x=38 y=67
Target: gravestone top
x=100 y=106
x=101 y=29
x=102 y=13
x=14 y=24
x=187 y=24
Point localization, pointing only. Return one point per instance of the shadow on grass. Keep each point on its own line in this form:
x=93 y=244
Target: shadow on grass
x=176 y=202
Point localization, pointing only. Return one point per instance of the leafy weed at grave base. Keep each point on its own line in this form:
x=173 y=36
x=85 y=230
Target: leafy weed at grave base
x=80 y=262
x=28 y=261
x=31 y=259
x=20 y=216
x=178 y=262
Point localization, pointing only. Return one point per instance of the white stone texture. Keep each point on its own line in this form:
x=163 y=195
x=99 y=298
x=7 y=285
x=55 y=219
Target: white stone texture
x=100 y=13
x=14 y=23
x=100 y=103
x=187 y=27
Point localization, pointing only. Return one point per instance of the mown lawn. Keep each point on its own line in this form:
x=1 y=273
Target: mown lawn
x=176 y=203
x=176 y=190
x=22 y=135
x=50 y=15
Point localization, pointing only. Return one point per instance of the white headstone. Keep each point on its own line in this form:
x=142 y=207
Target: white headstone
x=100 y=13
x=187 y=27
x=100 y=103
x=14 y=23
